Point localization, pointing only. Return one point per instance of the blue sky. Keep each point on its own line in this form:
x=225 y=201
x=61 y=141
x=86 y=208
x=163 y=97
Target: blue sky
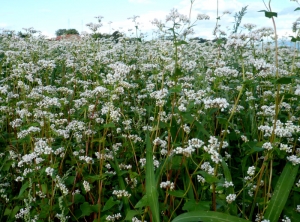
x=49 y=15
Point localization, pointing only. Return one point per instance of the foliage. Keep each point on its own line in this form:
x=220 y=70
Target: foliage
x=238 y=18
x=60 y=32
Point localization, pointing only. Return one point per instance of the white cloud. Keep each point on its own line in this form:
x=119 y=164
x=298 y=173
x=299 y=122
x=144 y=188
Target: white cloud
x=3 y=25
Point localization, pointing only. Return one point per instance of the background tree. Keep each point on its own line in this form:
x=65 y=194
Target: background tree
x=60 y=32
x=71 y=32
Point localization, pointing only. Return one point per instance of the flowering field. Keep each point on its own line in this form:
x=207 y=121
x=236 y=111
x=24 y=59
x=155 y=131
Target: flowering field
x=160 y=130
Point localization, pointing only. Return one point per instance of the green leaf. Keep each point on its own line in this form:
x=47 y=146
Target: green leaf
x=177 y=193
x=208 y=178
x=6 y=165
x=297 y=9
x=269 y=14
x=85 y=209
x=132 y=213
x=78 y=198
x=109 y=204
x=151 y=188
x=142 y=202
x=181 y=42
x=23 y=188
x=108 y=125
x=255 y=149
x=222 y=120
x=281 y=193
x=201 y=128
x=293 y=39
x=175 y=89
x=70 y=180
x=94 y=178
x=284 y=80
x=230 y=190
x=45 y=210
x=210 y=216
x=188 y=118
x=178 y=72
x=7 y=212
x=193 y=205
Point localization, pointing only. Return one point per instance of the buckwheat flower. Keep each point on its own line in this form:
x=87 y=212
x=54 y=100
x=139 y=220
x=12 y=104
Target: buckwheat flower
x=227 y=156
x=75 y=192
x=19 y=179
x=298 y=184
x=230 y=198
x=228 y=184
x=216 y=103
x=16 y=123
x=22 y=213
x=121 y=193
x=249 y=26
x=49 y=171
x=202 y=17
x=167 y=185
x=134 y=219
x=186 y=129
x=155 y=162
x=113 y=217
x=294 y=159
x=125 y=167
x=59 y=184
x=298 y=208
x=196 y=143
x=26 y=171
x=133 y=182
x=86 y=186
x=285 y=148
x=163 y=152
x=182 y=108
x=38 y=160
x=207 y=167
x=40 y=194
x=251 y=171
x=286 y=219
x=59 y=150
x=24 y=133
x=244 y=138
x=267 y=146
x=200 y=179
x=88 y=160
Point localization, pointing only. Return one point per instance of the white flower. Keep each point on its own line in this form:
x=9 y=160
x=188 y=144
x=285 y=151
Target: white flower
x=251 y=171
x=230 y=198
x=86 y=186
x=167 y=184
x=228 y=184
x=121 y=193
x=202 y=17
x=113 y=217
x=294 y=159
x=49 y=171
x=200 y=179
x=267 y=146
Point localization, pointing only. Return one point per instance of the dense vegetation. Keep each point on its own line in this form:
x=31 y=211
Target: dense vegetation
x=162 y=130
